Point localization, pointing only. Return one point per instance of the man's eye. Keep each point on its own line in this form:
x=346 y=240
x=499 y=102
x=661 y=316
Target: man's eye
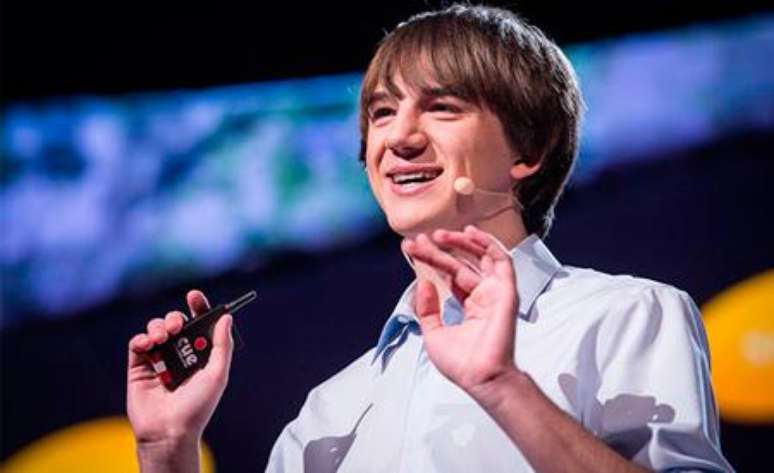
x=381 y=112
x=444 y=107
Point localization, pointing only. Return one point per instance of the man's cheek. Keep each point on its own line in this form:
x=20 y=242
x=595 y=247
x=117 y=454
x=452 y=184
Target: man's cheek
x=373 y=183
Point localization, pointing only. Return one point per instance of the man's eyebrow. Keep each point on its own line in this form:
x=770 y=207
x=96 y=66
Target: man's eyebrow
x=379 y=96
x=437 y=92
x=427 y=93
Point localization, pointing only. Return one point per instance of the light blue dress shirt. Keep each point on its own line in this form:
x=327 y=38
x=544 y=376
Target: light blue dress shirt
x=626 y=357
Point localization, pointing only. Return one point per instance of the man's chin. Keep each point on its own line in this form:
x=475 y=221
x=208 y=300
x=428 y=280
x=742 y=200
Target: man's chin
x=411 y=227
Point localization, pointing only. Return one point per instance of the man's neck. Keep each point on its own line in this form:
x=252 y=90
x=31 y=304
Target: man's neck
x=507 y=226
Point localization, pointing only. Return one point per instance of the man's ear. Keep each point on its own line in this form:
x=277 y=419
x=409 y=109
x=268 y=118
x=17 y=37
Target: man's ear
x=522 y=169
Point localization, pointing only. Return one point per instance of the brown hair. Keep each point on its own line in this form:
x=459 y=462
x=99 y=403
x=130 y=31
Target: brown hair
x=494 y=58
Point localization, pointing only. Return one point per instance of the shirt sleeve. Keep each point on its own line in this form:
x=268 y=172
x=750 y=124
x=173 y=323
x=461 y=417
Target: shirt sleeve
x=653 y=402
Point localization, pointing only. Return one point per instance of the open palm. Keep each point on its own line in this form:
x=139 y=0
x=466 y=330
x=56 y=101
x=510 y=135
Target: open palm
x=481 y=347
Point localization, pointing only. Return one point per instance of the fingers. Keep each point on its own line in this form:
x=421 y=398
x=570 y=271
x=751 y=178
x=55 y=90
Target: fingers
x=472 y=241
x=462 y=248
x=157 y=331
x=481 y=253
x=138 y=345
x=427 y=305
x=425 y=250
x=174 y=321
x=426 y=299
x=465 y=276
x=497 y=259
x=459 y=241
x=494 y=257
x=197 y=302
x=222 y=349
x=493 y=247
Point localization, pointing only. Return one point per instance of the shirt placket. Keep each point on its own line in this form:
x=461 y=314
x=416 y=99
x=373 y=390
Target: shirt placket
x=414 y=455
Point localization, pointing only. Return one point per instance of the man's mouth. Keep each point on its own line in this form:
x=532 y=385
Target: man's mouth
x=412 y=179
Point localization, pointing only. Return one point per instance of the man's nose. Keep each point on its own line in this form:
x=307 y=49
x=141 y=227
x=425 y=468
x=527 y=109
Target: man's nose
x=406 y=139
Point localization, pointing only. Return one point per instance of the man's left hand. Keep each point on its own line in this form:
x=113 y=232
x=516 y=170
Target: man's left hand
x=479 y=350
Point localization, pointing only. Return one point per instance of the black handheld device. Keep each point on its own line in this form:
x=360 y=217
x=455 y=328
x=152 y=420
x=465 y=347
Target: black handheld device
x=188 y=351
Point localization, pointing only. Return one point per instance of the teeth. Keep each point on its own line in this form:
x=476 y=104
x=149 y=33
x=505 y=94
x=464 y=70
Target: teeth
x=415 y=176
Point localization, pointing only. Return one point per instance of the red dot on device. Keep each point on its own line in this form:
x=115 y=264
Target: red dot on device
x=200 y=343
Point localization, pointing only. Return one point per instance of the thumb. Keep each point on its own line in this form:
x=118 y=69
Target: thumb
x=222 y=347
x=426 y=305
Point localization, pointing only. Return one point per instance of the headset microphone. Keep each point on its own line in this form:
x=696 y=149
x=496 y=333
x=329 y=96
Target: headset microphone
x=465 y=186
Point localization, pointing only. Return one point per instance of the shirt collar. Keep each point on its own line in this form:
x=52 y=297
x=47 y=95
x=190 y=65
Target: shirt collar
x=535 y=267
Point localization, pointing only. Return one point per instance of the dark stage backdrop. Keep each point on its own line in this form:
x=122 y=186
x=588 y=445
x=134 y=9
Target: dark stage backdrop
x=684 y=201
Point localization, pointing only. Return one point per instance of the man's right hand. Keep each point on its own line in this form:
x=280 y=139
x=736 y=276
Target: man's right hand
x=169 y=424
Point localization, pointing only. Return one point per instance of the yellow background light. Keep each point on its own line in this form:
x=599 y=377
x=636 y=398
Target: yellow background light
x=96 y=446
x=740 y=328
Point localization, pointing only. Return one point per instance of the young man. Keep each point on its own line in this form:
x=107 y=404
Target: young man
x=498 y=358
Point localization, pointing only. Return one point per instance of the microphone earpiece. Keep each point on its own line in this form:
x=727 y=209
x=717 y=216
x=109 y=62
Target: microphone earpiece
x=464 y=185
